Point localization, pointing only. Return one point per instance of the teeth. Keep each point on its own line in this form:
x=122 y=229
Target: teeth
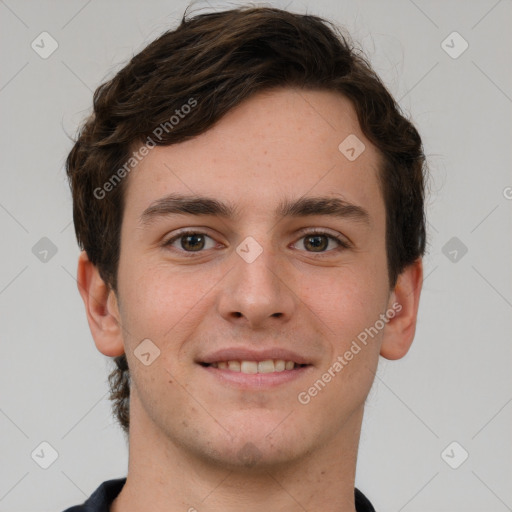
x=234 y=366
x=279 y=365
x=249 y=367
x=267 y=366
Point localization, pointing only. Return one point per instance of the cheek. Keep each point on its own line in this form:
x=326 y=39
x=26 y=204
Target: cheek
x=347 y=304
x=346 y=300
x=162 y=303
x=158 y=305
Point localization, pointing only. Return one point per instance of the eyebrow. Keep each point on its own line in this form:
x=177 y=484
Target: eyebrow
x=178 y=204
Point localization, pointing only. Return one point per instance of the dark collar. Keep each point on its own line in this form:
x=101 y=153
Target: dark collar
x=107 y=492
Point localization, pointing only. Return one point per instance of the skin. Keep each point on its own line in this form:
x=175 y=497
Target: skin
x=189 y=430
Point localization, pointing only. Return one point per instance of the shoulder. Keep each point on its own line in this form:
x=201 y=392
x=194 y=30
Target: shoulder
x=363 y=504
x=101 y=499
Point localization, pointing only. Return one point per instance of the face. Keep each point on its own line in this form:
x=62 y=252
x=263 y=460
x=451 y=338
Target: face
x=260 y=285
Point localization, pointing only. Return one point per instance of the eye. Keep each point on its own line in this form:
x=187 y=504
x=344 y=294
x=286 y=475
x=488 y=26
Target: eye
x=318 y=241
x=190 y=241
x=195 y=241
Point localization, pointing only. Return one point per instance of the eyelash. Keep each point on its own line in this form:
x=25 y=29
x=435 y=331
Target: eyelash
x=313 y=232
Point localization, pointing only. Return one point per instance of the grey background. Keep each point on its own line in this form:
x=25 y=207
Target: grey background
x=455 y=383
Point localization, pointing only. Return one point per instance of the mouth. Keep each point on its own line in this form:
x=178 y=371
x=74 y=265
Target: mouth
x=252 y=367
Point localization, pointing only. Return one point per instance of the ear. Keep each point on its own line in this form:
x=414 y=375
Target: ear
x=101 y=308
x=404 y=301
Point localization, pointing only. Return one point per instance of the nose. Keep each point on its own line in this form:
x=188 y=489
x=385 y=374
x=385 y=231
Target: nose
x=257 y=293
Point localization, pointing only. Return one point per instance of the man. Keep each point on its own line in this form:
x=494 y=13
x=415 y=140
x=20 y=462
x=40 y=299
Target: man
x=250 y=202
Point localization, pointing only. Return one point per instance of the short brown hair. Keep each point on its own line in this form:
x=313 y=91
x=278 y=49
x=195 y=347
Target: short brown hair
x=219 y=60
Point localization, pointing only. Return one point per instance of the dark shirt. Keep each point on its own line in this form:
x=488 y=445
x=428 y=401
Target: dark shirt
x=107 y=492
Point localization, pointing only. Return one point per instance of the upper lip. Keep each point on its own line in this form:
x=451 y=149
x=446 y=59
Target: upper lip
x=244 y=354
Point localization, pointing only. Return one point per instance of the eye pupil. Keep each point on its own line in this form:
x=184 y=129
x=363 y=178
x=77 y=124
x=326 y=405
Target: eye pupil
x=192 y=246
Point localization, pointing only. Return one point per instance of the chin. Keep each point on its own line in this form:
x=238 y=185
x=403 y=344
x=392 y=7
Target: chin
x=256 y=447
x=253 y=457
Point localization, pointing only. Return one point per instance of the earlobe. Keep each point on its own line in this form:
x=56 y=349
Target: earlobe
x=404 y=300
x=101 y=308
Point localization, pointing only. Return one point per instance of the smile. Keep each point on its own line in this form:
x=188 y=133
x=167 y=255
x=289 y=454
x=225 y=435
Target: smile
x=251 y=367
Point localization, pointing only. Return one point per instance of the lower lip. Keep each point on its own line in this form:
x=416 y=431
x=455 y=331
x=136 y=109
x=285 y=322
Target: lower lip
x=257 y=380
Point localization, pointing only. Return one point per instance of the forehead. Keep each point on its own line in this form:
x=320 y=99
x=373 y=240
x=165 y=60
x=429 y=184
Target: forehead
x=278 y=143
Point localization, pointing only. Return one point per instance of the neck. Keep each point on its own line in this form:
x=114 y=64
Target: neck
x=169 y=477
